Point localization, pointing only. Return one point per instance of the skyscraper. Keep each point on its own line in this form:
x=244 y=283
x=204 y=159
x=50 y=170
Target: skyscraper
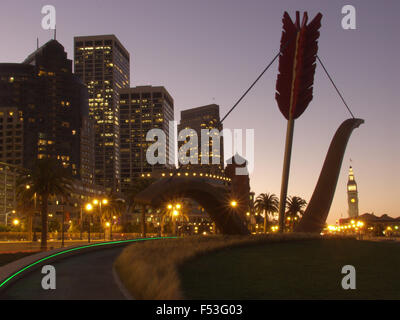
x=141 y=109
x=103 y=64
x=44 y=112
x=197 y=119
x=352 y=195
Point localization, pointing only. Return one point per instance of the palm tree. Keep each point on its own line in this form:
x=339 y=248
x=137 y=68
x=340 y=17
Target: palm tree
x=135 y=188
x=46 y=179
x=295 y=209
x=114 y=208
x=267 y=203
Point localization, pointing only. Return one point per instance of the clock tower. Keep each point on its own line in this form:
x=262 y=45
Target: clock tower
x=352 y=195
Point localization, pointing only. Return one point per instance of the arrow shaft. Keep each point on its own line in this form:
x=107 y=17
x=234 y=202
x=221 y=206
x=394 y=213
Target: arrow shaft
x=285 y=173
x=288 y=144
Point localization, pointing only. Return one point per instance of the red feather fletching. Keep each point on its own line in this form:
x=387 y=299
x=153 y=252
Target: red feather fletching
x=299 y=47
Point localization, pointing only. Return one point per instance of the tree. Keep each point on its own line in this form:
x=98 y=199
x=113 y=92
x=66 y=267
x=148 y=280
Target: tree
x=267 y=203
x=295 y=210
x=46 y=179
x=135 y=188
x=114 y=208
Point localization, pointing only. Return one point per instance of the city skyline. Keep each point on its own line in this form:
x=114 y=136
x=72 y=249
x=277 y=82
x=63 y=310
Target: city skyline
x=211 y=56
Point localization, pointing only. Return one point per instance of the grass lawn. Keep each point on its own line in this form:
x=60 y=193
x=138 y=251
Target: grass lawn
x=309 y=269
x=6 y=258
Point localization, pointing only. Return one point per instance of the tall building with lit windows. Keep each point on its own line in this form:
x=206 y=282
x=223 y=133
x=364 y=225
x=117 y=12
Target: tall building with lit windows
x=103 y=64
x=197 y=119
x=352 y=195
x=44 y=112
x=141 y=109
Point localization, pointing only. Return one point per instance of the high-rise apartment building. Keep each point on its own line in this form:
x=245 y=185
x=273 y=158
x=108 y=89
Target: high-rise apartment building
x=103 y=64
x=197 y=119
x=141 y=109
x=44 y=112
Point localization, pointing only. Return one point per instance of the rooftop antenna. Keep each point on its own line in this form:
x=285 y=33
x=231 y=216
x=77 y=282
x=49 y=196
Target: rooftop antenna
x=37 y=43
x=55 y=33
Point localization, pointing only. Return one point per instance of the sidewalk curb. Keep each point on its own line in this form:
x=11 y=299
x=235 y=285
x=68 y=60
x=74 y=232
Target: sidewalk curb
x=120 y=285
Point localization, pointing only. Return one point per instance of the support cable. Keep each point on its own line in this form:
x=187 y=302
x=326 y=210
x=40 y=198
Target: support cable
x=251 y=87
x=244 y=95
x=334 y=85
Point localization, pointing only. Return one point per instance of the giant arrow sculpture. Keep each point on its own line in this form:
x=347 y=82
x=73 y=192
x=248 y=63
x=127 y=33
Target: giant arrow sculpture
x=297 y=62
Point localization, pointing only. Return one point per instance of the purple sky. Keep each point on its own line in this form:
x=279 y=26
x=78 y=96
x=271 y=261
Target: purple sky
x=213 y=49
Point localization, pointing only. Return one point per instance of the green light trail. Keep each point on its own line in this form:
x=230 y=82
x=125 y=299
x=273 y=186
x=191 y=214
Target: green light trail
x=78 y=248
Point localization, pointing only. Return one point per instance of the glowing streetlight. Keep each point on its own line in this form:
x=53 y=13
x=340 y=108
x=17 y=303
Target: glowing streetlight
x=234 y=203
x=89 y=208
x=16 y=222
x=108 y=224
x=99 y=203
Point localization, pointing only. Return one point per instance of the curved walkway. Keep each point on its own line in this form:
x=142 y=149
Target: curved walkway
x=87 y=276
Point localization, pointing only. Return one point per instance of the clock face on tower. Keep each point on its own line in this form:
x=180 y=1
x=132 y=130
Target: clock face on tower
x=352 y=188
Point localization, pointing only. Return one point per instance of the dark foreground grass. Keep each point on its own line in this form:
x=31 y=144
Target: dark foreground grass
x=6 y=258
x=309 y=269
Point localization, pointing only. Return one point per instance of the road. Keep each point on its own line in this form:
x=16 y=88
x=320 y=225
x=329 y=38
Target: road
x=26 y=246
x=86 y=276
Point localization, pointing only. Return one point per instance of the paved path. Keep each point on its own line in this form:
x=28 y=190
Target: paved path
x=85 y=276
x=25 y=246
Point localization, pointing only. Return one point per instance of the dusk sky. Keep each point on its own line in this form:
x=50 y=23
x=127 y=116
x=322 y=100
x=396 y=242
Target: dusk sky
x=210 y=51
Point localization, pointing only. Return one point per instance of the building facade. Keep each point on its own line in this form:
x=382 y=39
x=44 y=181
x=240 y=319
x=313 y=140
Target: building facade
x=352 y=195
x=8 y=195
x=44 y=112
x=142 y=109
x=198 y=119
x=103 y=64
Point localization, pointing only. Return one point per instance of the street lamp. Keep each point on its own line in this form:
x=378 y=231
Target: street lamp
x=234 y=204
x=16 y=222
x=175 y=213
x=100 y=203
x=89 y=208
x=7 y=214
